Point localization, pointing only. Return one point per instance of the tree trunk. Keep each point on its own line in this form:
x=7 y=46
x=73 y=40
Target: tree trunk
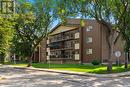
x=111 y=51
x=30 y=58
x=126 y=60
x=126 y=53
x=109 y=66
x=110 y=38
x=30 y=61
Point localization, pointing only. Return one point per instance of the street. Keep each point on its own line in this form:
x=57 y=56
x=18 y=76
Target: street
x=13 y=77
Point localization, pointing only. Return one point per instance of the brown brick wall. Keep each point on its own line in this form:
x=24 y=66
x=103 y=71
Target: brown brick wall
x=104 y=45
x=95 y=45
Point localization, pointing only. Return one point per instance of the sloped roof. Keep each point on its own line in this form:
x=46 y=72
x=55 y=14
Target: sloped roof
x=71 y=22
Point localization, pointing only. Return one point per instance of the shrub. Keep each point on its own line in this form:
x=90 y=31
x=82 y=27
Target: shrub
x=96 y=62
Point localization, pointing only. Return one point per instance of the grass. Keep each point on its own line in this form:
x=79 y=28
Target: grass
x=99 y=69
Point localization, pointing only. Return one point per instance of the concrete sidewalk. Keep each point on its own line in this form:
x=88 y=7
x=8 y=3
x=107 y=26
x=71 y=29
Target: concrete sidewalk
x=113 y=75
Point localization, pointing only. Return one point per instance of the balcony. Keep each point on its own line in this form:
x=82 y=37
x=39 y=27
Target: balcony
x=67 y=54
x=56 y=46
x=63 y=45
x=67 y=45
x=64 y=36
x=62 y=39
x=62 y=49
x=60 y=57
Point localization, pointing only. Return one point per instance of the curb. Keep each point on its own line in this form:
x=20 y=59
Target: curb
x=78 y=73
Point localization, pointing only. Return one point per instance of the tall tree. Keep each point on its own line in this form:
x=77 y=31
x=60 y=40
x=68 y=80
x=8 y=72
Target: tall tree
x=121 y=12
x=33 y=23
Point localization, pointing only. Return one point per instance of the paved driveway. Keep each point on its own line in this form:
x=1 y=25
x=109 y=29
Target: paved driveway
x=29 y=78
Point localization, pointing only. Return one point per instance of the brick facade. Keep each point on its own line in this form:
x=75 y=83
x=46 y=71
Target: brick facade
x=86 y=43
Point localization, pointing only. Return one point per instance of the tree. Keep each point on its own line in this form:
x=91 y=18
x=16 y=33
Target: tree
x=6 y=35
x=33 y=23
x=122 y=9
x=101 y=11
x=20 y=48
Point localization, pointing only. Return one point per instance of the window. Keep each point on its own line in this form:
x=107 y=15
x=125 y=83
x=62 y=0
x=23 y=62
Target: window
x=89 y=39
x=89 y=28
x=89 y=51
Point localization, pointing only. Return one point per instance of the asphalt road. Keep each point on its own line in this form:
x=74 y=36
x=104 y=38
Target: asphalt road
x=12 y=77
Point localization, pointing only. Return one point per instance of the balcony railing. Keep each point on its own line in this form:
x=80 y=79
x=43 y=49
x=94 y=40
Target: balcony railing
x=63 y=36
x=62 y=54
x=62 y=45
x=61 y=57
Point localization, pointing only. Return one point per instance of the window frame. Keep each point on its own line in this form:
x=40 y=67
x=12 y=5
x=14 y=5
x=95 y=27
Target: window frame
x=89 y=28
x=89 y=51
x=88 y=40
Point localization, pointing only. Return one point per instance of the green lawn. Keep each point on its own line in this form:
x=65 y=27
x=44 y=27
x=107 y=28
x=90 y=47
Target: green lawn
x=100 y=69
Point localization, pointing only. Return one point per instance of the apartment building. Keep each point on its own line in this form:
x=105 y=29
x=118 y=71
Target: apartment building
x=71 y=43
